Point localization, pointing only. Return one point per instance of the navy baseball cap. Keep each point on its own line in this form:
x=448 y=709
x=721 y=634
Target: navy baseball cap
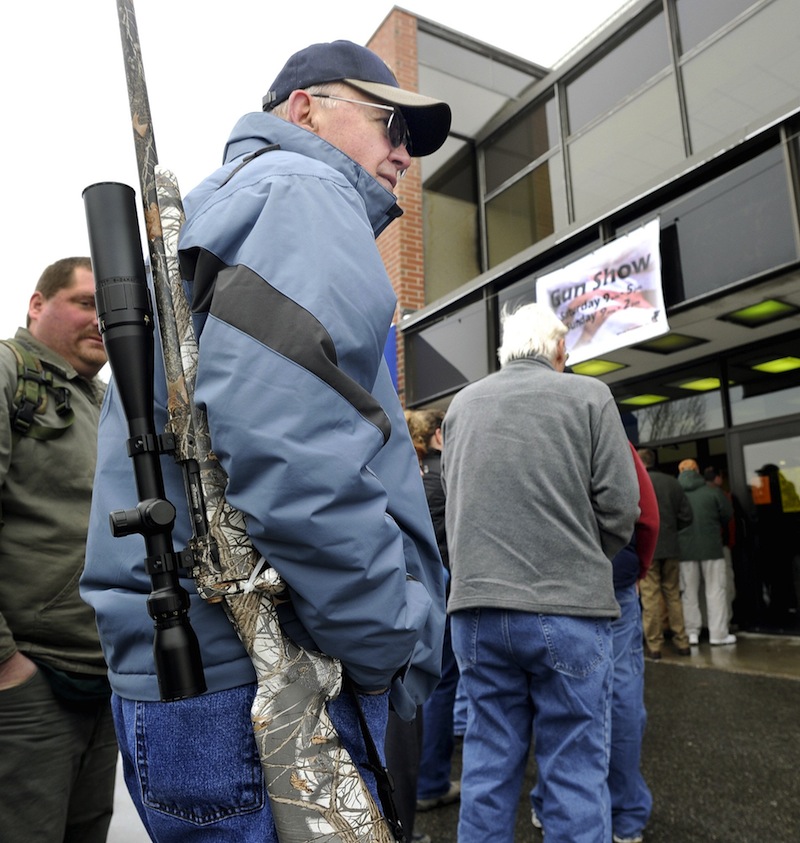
x=428 y=119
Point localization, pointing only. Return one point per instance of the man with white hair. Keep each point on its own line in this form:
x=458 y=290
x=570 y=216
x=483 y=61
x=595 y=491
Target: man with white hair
x=541 y=494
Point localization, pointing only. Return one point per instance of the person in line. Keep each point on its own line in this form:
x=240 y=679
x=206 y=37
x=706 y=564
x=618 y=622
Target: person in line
x=631 y=799
x=293 y=307
x=714 y=478
x=703 y=558
x=541 y=495
x=435 y=787
x=661 y=587
x=406 y=742
x=58 y=751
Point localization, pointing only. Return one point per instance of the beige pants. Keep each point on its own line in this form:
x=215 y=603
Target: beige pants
x=659 y=589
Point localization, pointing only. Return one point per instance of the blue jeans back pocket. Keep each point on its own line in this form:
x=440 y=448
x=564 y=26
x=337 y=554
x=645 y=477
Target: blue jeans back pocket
x=204 y=766
x=576 y=645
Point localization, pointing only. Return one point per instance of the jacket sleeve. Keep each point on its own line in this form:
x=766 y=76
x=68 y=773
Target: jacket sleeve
x=434 y=492
x=683 y=508
x=648 y=524
x=8 y=381
x=290 y=364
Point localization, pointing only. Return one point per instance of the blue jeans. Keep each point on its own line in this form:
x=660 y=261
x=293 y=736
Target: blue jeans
x=549 y=674
x=192 y=766
x=631 y=801
x=460 y=711
x=436 y=751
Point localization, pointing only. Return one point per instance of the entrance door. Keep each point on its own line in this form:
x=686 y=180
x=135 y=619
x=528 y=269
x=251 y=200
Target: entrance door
x=767 y=488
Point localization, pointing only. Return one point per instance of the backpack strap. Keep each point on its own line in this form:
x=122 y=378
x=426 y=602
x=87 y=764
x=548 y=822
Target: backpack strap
x=33 y=384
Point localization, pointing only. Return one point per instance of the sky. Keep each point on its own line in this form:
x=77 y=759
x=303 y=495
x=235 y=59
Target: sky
x=66 y=119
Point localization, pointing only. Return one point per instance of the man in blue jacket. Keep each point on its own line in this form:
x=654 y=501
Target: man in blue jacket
x=293 y=306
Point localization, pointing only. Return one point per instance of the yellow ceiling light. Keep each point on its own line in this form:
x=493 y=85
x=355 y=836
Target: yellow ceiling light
x=670 y=343
x=769 y=310
x=596 y=367
x=701 y=384
x=644 y=400
x=778 y=365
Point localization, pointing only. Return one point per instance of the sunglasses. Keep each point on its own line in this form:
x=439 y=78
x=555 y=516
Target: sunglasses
x=396 y=128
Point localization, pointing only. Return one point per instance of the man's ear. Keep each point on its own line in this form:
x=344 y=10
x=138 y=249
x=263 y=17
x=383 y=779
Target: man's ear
x=301 y=111
x=562 y=356
x=35 y=304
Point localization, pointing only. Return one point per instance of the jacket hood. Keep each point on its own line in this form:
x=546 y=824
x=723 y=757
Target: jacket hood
x=255 y=131
x=690 y=480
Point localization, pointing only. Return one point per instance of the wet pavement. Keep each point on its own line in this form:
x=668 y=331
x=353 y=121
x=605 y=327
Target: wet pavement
x=721 y=753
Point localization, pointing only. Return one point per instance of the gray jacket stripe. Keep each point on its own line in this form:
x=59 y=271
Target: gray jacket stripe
x=246 y=301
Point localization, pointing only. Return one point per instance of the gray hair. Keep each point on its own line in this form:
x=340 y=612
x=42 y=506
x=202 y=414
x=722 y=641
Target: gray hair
x=531 y=330
x=337 y=88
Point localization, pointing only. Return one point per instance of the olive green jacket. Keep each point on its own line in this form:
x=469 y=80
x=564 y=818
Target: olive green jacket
x=45 y=493
x=711 y=511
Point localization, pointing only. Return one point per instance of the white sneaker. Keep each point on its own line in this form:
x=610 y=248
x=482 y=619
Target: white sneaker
x=694 y=639
x=636 y=839
x=728 y=639
x=537 y=823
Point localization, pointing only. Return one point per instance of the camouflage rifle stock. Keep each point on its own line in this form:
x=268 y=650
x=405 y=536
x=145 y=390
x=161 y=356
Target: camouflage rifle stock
x=316 y=791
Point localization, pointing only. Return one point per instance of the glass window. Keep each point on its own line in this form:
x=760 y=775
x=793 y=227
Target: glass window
x=528 y=211
x=526 y=139
x=523 y=291
x=734 y=227
x=447 y=355
x=516 y=295
x=629 y=150
x=450 y=221
x=742 y=78
x=698 y=20
x=763 y=383
x=618 y=74
x=772 y=500
x=673 y=404
x=772 y=469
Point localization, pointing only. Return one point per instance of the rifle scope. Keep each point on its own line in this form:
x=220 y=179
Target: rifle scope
x=126 y=322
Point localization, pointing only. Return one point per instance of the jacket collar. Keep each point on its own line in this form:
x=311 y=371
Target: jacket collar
x=531 y=360
x=256 y=130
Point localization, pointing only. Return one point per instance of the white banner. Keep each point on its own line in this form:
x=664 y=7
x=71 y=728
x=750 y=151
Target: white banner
x=611 y=298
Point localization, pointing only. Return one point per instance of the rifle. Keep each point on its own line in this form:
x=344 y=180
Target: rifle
x=315 y=789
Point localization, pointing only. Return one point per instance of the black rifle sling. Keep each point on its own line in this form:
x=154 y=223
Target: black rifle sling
x=383 y=777
x=247 y=159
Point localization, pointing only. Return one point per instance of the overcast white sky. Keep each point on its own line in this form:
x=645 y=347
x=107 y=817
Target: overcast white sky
x=66 y=122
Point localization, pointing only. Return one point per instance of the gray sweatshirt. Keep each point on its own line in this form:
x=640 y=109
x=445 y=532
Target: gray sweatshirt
x=541 y=492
